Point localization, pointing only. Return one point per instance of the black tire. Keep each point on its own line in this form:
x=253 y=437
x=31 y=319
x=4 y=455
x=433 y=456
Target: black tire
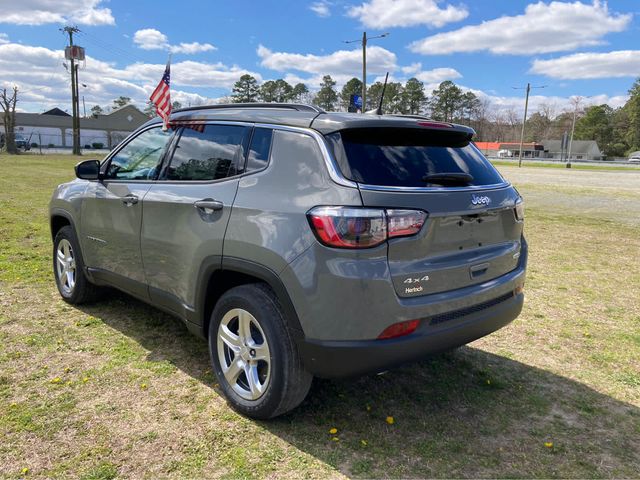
x=83 y=290
x=289 y=382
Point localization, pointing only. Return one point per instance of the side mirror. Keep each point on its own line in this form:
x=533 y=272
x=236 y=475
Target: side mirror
x=88 y=170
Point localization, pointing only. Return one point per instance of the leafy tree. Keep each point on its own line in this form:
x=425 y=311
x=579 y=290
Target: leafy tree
x=300 y=93
x=327 y=97
x=176 y=105
x=446 y=101
x=597 y=124
x=96 y=110
x=413 y=97
x=245 y=90
x=352 y=87
x=121 y=101
x=538 y=127
x=632 y=112
x=276 y=91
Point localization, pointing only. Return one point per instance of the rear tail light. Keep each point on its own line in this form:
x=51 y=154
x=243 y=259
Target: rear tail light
x=519 y=210
x=399 y=329
x=353 y=227
x=401 y=223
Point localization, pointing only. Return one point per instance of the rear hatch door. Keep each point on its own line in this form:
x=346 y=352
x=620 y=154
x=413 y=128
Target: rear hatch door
x=471 y=234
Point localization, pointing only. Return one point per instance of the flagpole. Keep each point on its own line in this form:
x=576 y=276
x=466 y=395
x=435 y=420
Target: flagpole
x=165 y=123
x=161 y=96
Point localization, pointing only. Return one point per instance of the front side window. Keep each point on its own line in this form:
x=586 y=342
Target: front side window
x=140 y=158
x=207 y=152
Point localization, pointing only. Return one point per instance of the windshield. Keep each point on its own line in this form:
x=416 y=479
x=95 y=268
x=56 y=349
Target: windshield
x=411 y=157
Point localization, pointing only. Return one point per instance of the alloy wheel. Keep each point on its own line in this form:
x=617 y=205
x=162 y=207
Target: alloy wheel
x=243 y=352
x=66 y=266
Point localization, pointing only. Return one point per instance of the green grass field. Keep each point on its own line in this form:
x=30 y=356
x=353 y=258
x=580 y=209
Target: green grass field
x=119 y=389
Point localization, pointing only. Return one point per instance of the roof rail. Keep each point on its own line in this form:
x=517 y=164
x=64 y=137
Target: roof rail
x=301 y=107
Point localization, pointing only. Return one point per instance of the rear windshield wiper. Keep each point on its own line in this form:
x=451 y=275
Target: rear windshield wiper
x=450 y=178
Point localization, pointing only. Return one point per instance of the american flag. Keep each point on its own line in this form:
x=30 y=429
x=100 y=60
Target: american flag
x=161 y=97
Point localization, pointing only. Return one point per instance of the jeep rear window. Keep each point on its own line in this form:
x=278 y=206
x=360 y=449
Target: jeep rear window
x=401 y=157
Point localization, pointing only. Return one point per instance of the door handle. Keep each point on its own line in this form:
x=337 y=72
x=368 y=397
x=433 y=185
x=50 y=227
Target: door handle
x=129 y=200
x=208 y=205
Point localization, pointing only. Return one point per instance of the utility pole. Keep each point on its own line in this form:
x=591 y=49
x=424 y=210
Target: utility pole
x=524 y=120
x=364 y=41
x=576 y=101
x=364 y=70
x=74 y=92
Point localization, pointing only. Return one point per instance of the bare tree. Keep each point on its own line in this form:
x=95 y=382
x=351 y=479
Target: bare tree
x=8 y=104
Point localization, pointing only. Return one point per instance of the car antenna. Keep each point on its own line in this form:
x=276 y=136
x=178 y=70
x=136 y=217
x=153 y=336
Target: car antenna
x=378 y=111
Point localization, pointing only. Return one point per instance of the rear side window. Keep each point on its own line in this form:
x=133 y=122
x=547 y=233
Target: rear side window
x=207 y=152
x=259 y=150
x=403 y=157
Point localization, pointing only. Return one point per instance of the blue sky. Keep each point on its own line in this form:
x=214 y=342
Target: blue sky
x=583 y=48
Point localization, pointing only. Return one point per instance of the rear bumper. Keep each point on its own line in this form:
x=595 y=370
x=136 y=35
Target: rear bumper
x=335 y=359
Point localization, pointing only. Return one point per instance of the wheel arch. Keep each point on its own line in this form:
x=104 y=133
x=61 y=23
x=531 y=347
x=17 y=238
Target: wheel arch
x=218 y=275
x=59 y=219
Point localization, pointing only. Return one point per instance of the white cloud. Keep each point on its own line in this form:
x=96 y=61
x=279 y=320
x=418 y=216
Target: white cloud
x=543 y=28
x=406 y=13
x=4 y=38
x=341 y=62
x=191 y=48
x=189 y=74
x=39 y=12
x=321 y=9
x=44 y=83
x=435 y=75
x=621 y=63
x=152 y=39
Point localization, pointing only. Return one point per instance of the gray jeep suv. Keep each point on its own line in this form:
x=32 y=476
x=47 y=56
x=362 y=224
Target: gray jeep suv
x=300 y=243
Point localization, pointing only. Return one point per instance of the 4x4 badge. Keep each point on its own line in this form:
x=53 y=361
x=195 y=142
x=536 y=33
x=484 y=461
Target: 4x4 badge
x=480 y=200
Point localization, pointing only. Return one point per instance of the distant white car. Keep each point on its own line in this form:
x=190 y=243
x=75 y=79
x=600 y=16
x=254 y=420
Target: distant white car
x=634 y=157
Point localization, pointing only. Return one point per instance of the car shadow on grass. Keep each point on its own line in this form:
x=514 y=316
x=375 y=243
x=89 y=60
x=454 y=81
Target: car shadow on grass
x=468 y=413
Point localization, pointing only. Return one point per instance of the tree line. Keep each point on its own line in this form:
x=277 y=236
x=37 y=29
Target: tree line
x=617 y=130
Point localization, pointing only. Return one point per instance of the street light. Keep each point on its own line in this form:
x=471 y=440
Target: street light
x=526 y=105
x=364 y=41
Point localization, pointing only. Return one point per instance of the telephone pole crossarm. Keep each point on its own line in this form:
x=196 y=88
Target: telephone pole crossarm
x=364 y=42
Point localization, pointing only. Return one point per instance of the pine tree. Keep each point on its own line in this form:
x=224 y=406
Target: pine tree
x=445 y=101
x=413 y=96
x=300 y=93
x=245 y=90
x=327 y=97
